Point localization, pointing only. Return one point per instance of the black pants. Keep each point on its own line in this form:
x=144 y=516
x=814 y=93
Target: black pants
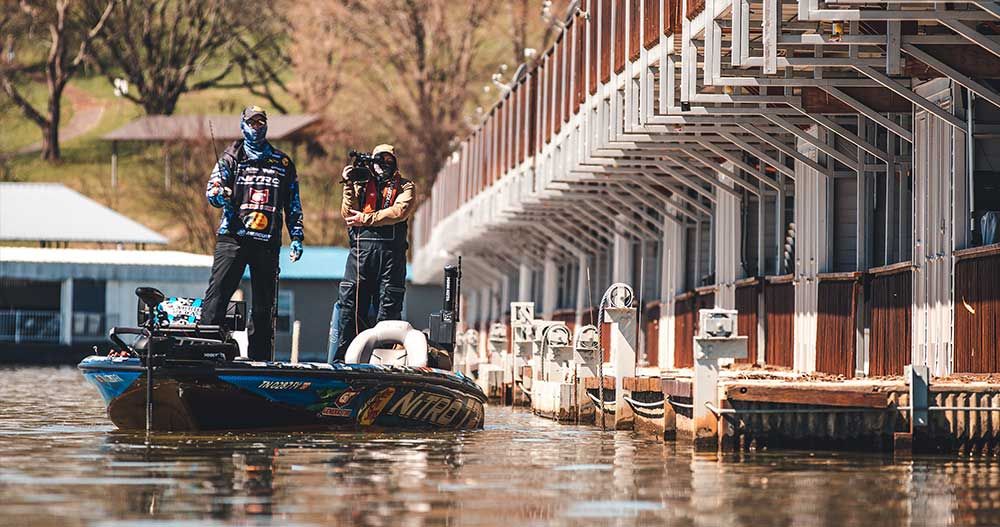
x=231 y=259
x=375 y=277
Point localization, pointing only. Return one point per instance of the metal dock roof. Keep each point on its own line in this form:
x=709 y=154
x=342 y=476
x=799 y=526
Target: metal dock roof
x=51 y=212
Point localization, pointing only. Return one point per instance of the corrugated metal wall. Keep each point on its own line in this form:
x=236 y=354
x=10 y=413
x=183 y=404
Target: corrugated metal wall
x=746 y=304
x=977 y=311
x=684 y=321
x=889 y=293
x=779 y=307
x=835 y=326
x=651 y=333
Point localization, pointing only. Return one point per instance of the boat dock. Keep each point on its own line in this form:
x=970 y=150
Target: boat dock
x=822 y=173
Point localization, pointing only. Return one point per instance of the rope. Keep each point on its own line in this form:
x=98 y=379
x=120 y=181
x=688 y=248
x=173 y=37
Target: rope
x=647 y=410
x=633 y=402
x=679 y=405
x=603 y=407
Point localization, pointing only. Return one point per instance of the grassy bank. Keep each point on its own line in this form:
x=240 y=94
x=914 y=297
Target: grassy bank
x=86 y=160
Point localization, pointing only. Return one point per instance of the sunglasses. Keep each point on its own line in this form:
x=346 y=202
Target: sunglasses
x=257 y=123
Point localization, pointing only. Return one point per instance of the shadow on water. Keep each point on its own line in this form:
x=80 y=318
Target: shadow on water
x=61 y=463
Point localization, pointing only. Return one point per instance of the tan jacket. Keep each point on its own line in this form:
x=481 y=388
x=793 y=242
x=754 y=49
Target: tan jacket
x=399 y=211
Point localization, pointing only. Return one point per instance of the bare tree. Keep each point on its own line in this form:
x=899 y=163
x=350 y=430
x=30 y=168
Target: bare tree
x=166 y=48
x=519 y=19
x=192 y=223
x=419 y=64
x=68 y=31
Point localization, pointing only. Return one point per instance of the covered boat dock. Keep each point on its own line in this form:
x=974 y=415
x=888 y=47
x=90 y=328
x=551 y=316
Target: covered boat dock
x=830 y=170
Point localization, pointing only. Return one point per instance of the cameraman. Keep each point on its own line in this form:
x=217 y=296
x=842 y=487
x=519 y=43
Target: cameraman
x=376 y=206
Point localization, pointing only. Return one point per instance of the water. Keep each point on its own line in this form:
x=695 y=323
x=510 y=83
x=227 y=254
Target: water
x=62 y=463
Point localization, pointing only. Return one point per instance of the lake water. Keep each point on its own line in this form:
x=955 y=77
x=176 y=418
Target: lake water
x=63 y=463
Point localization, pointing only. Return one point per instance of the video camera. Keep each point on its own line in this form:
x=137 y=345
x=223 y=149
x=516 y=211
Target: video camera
x=361 y=166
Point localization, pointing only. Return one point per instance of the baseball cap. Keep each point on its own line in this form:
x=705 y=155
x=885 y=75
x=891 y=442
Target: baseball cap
x=254 y=111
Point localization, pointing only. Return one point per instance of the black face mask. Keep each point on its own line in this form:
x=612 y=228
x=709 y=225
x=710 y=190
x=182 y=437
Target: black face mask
x=386 y=168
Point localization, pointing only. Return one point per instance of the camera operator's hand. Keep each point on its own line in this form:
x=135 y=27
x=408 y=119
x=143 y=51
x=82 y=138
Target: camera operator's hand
x=355 y=218
x=343 y=175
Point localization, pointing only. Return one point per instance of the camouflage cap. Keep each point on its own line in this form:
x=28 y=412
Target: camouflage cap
x=253 y=111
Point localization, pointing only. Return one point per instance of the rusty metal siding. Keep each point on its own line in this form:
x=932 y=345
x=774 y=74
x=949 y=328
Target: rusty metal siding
x=746 y=321
x=694 y=8
x=779 y=308
x=889 y=316
x=684 y=320
x=835 y=326
x=567 y=96
x=531 y=118
x=559 y=87
x=977 y=311
x=579 y=61
x=619 y=36
x=498 y=143
x=596 y=13
x=606 y=22
x=522 y=104
x=705 y=300
x=671 y=16
x=634 y=30
x=650 y=26
x=547 y=97
x=651 y=333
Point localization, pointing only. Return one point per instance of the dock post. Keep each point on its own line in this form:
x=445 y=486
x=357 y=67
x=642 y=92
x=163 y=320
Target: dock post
x=903 y=443
x=712 y=344
x=622 y=320
x=296 y=331
x=522 y=315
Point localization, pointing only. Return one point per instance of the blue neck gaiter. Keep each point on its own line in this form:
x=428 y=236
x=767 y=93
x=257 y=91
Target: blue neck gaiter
x=254 y=142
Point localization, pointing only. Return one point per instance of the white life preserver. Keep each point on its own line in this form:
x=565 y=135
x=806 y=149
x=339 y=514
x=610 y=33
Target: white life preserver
x=370 y=342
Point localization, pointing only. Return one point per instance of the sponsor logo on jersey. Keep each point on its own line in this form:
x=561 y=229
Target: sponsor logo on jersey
x=250 y=179
x=256 y=221
x=254 y=206
x=259 y=195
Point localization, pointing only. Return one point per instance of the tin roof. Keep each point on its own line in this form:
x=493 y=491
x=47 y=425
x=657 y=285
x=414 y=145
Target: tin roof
x=53 y=212
x=192 y=127
x=103 y=264
x=317 y=263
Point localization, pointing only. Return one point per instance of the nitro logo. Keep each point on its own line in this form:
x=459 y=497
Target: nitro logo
x=250 y=179
x=284 y=385
x=107 y=378
x=437 y=409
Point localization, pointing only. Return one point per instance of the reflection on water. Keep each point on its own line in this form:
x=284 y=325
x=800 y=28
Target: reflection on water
x=62 y=463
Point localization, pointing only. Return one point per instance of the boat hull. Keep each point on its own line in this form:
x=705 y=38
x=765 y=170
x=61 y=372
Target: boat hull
x=209 y=396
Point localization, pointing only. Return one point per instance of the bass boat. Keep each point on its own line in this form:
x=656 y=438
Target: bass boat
x=393 y=377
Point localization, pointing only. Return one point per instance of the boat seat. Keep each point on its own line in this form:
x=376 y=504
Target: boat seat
x=375 y=345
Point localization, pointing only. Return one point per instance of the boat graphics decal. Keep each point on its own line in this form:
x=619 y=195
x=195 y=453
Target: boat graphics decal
x=374 y=405
x=111 y=384
x=437 y=409
x=293 y=392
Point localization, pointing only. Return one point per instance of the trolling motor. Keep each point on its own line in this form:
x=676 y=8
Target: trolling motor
x=442 y=325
